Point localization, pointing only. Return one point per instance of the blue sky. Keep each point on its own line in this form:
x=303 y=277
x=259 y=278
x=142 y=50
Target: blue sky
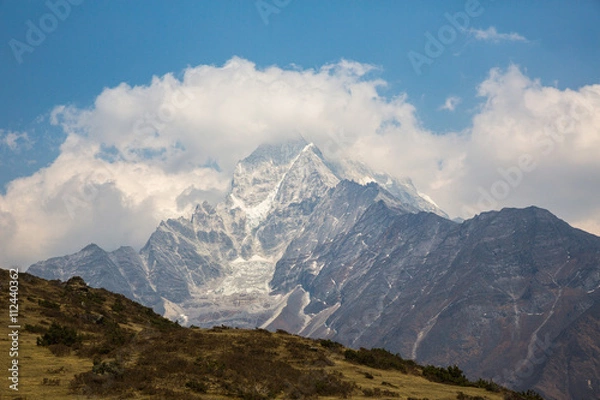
x=101 y=44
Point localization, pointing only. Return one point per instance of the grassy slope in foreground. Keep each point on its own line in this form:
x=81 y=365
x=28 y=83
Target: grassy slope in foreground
x=77 y=342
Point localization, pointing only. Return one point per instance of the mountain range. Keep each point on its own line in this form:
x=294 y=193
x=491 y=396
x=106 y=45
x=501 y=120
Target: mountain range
x=332 y=249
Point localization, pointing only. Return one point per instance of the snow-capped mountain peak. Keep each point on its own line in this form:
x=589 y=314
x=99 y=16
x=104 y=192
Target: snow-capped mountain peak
x=280 y=193
x=274 y=176
x=334 y=249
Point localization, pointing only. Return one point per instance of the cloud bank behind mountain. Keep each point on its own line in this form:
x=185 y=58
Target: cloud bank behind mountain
x=146 y=153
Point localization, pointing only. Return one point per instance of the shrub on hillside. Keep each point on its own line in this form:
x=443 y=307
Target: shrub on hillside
x=379 y=358
x=118 y=306
x=58 y=334
x=197 y=386
x=490 y=386
x=377 y=392
x=528 y=395
x=330 y=344
x=452 y=375
x=48 y=304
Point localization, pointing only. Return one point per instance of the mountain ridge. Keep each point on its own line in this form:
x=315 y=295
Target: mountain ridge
x=300 y=247
x=238 y=241
x=90 y=342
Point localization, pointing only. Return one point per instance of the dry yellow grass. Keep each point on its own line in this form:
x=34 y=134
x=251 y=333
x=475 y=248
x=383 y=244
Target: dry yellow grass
x=167 y=357
x=37 y=363
x=406 y=385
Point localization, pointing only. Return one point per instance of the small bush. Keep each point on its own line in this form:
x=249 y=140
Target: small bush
x=115 y=335
x=377 y=392
x=49 y=304
x=531 y=395
x=118 y=306
x=322 y=383
x=263 y=331
x=451 y=375
x=104 y=378
x=51 y=382
x=58 y=334
x=210 y=366
x=113 y=368
x=196 y=386
x=528 y=395
x=95 y=297
x=490 y=386
x=60 y=370
x=377 y=358
x=330 y=344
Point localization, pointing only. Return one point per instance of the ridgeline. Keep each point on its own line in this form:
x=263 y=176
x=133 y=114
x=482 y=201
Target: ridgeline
x=77 y=342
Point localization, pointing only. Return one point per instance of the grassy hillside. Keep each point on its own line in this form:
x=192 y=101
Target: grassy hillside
x=77 y=342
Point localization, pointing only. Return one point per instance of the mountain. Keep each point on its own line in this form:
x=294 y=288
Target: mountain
x=216 y=266
x=122 y=270
x=500 y=294
x=334 y=250
x=92 y=343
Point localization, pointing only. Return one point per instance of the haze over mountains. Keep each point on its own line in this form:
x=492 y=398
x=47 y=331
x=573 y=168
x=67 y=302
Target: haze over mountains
x=333 y=249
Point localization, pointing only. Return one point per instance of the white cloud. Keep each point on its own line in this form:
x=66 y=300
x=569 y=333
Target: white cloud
x=142 y=154
x=533 y=144
x=15 y=141
x=450 y=103
x=492 y=35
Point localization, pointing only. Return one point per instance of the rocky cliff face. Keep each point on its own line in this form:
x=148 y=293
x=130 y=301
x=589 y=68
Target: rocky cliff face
x=497 y=294
x=215 y=267
x=335 y=250
x=123 y=271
